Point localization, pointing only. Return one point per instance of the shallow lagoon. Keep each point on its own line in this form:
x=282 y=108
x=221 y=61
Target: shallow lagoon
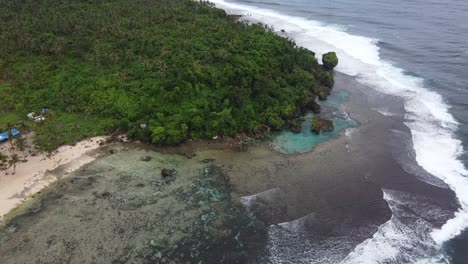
x=288 y=142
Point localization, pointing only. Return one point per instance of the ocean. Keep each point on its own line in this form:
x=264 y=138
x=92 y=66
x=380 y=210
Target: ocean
x=415 y=50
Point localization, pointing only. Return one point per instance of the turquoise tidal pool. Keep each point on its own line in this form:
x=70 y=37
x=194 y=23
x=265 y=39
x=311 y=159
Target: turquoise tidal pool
x=288 y=142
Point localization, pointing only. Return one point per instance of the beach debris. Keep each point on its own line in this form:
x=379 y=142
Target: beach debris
x=145 y=158
x=320 y=124
x=208 y=160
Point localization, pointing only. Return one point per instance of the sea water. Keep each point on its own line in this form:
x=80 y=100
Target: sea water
x=416 y=50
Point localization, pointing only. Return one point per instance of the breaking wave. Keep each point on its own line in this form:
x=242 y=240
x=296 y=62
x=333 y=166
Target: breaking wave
x=432 y=127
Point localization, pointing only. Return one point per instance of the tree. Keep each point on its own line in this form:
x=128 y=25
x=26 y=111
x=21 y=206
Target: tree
x=128 y=61
x=14 y=159
x=21 y=144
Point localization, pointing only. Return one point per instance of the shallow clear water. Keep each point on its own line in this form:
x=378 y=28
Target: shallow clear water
x=288 y=142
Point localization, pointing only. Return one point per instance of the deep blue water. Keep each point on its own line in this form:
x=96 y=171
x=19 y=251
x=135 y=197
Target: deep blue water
x=415 y=49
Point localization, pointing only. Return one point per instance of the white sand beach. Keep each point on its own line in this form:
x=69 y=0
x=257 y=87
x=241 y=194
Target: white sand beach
x=34 y=174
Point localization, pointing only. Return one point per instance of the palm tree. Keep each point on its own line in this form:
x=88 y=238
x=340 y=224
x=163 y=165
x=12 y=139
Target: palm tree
x=14 y=159
x=21 y=144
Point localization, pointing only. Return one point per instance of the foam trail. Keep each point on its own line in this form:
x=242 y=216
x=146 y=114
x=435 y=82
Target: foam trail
x=432 y=126
x=395 y=241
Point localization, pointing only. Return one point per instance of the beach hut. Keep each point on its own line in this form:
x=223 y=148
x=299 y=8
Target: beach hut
x=4 y=136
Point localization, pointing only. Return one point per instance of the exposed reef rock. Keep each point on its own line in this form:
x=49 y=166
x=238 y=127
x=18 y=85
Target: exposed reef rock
x=119 y=212
x=145 y=158
x=222 y=225
x=329 y=60
x=166 y=173
x=261 y=132
x=320 y=124
x=323 y=92
x=295 y=126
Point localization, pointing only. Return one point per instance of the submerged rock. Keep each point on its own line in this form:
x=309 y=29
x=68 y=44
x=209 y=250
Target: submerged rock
x=320 y=125
x=220 y=231
x=329 y=60
x=166 y=173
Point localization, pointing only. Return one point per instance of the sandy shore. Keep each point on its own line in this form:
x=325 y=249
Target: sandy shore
x=38 y=171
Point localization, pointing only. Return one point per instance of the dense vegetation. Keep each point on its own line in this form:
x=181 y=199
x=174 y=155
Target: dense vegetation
x=184 y=68
x=330 y=60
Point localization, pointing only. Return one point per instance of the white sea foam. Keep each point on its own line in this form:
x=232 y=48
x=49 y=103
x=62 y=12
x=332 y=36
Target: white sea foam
x=396 y=242
x=432 y=126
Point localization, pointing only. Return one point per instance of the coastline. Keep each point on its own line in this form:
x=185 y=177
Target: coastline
x=310 y=202
x=326 y=202
x=322 y=197
x=40 y=171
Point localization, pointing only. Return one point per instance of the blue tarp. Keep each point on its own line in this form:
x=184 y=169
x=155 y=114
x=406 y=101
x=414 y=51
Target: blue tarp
x=4 y=135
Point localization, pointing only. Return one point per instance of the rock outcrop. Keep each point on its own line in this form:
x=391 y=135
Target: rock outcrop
x=320 y=125
x=313 y=105
x=329 y=60
x=323 y=92
x=295 y=126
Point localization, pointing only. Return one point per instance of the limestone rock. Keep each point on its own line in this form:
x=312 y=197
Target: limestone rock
x=313 y=105
x=329 y=60
x=165 y=173
x=320 y=125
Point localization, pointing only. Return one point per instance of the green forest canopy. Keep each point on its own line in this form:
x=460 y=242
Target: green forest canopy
x=183 y=67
